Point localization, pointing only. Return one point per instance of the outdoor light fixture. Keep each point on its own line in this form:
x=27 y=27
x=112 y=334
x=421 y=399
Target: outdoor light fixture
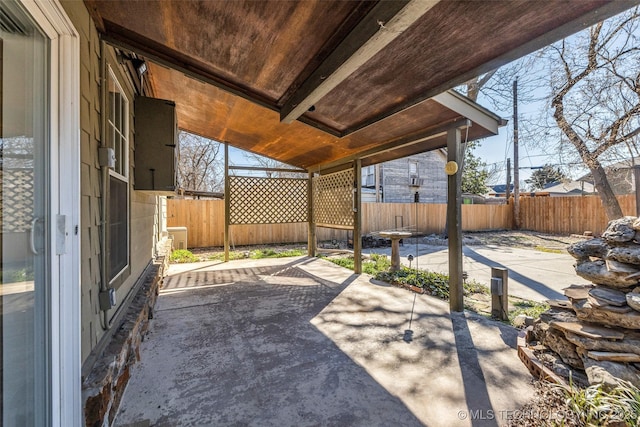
x=451 y=168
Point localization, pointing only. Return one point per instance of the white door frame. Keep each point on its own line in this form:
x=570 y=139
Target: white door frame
x=64 y=110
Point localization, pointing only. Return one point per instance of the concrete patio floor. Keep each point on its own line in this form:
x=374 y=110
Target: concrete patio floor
x=303 y=342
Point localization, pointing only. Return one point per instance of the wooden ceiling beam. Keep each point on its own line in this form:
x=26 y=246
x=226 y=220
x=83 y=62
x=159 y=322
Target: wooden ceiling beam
x=266 y=169
x=424 y=135
x=386 y=21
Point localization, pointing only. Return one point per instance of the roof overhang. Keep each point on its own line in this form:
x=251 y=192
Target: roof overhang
x=318 y=82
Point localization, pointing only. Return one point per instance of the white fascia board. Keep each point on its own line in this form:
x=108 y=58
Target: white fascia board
x=471 y=110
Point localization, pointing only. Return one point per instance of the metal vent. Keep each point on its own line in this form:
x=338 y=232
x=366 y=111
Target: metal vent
x=10 y=24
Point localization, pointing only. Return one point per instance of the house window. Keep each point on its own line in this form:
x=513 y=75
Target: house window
x=368 y=176
x=118 y=212
x=413 y=168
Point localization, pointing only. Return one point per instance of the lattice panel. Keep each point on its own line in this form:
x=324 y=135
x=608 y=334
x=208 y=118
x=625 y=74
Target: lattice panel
x=267 y=200
x=333 y=199
x=16 y=199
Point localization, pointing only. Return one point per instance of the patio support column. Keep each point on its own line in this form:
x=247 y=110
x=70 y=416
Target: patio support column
x=454 y=220
x=311 y=235
x=357 y=217
x=227 y=202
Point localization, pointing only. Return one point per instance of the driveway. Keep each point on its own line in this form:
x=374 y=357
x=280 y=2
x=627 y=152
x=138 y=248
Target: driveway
x=303 y=342
x=533 y=274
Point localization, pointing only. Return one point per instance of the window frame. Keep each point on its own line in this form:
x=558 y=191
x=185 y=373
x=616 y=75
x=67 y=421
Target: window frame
x=368 y=176
x=413 y=164
x=123 y=133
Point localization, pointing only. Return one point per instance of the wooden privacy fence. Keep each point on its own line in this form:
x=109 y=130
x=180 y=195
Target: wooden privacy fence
x=204 y=220
x=569 y=215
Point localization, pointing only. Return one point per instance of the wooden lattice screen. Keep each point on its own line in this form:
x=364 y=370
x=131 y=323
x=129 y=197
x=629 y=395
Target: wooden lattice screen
x=333 y=199
x=267 y=200
x=16 y=199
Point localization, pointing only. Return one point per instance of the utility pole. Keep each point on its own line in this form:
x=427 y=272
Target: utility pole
x=516 y=166
x=508 y=189
x=376 y=170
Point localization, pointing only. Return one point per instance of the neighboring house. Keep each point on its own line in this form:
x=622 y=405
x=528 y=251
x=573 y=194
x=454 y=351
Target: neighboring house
x=569 y=188
x=619 y=175
x=499 y=190
x=401 y=179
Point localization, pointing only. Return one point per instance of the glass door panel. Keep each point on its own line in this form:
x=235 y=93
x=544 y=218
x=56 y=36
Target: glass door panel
x=24 y=220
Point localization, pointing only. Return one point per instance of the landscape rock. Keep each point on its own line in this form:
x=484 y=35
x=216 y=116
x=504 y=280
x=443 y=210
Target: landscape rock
x=560 y=368
x=633 y=299
x=598 y=337
x=596 y=248
x=557 y=342
x=620 y=230
x=522 y=320
x=629 y=254
x=540 y=330
x=602 y=304
x=610 y=373
x=577 y=291
x=621 y=267
x=558 y=315
x=589 y=313
x=611 y=296
x=596 y=272
x=630 y=343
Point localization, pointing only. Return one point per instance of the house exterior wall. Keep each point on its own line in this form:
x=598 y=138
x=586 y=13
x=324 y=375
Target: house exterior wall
x=144 y=214
x=91 y=330
x=430 y=171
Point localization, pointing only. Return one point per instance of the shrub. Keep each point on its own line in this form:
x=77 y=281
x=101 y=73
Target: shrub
x=436 y=284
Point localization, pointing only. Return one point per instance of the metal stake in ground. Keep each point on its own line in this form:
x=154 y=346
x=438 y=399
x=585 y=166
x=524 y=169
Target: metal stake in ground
x=408 y=333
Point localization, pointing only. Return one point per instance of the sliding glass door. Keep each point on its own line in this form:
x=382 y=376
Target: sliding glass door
x=25 y=218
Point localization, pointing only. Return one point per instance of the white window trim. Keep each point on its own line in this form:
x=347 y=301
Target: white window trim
x=125 y=133
x=125 y=161
x=413 y=164
x=66 y=396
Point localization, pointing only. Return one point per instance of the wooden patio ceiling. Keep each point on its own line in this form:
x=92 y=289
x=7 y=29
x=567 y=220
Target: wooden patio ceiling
x=316 y=82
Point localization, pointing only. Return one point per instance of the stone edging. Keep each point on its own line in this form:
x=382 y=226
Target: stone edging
x=103 y=388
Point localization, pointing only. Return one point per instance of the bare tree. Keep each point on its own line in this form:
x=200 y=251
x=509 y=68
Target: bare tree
x=200 y=166
x=266 y=162
x=495 y=88
x=495 y=85
x=595 y=94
